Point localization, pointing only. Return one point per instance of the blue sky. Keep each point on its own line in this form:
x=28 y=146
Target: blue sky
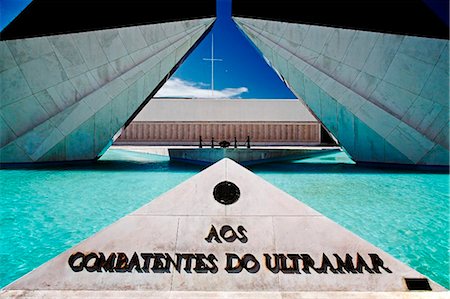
x=242 y=73
x=9 y=9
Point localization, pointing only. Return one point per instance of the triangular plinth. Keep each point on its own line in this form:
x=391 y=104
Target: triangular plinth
x=186 y=240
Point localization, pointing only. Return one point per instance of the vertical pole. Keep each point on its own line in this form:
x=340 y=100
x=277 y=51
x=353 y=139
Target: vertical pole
x=212 y=65
x=212 y=59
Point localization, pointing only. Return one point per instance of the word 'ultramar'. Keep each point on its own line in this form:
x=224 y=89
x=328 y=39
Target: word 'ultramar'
x=207 y=263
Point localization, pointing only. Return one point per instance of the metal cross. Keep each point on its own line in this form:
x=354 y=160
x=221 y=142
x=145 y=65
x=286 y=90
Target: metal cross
x=212 y=59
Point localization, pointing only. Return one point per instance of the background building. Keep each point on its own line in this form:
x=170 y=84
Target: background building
x=185 y=121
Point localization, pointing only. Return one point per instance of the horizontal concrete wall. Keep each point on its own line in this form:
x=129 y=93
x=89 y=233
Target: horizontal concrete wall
x=385 y=97
x=225 y=110
x=64 y=97
x=189 y=132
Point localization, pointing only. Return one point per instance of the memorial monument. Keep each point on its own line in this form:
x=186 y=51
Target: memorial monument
x=69 y=86
x=379 y=85
x=376 y=73
x=68 y=89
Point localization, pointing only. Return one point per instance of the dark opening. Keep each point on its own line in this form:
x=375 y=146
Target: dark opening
x=417 y=284
x=427 y=18
x=49 y=17
x=325 y=137
x=226 y=193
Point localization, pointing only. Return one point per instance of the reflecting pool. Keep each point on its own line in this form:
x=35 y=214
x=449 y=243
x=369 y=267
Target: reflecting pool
x=46 y=210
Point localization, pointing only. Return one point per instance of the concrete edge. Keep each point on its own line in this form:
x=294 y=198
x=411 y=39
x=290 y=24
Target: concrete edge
x=246 y=295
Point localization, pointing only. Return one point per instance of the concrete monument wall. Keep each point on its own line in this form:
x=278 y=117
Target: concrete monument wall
x=385 y=97
x=64 y=97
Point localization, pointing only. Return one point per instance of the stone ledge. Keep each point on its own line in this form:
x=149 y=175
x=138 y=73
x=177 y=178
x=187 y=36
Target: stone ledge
x=239 y=295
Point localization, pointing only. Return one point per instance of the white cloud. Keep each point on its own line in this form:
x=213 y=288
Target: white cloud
x=178 y=88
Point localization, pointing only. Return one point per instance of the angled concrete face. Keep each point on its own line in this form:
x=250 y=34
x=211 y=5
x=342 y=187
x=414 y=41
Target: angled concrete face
x=264 y=221
x=64 y=97
x=385 y=97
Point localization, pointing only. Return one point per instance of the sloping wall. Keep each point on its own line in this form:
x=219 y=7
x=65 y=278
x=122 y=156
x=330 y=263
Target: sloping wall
x=64 y=97
x=383 y=96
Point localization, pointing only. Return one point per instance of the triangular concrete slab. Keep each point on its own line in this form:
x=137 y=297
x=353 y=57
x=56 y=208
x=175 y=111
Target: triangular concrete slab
x=187 y=241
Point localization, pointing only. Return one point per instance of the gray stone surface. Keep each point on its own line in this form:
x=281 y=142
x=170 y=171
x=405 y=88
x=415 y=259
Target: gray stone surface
x=180 y=220
x=227 y=295
x=208 y=156
x=53 y=87
x=381 y=80
x=287 y=110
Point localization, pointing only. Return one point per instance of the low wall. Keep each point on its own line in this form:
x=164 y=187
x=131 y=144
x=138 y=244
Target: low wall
x=188 y=133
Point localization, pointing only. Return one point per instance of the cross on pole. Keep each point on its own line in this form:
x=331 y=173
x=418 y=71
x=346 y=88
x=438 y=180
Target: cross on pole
x=212 y=59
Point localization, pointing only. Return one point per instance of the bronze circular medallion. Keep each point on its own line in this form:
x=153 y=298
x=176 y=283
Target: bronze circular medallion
x=226 y=193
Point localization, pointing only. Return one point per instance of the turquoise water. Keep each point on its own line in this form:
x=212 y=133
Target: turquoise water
x=46 y=210
x=405 y=213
